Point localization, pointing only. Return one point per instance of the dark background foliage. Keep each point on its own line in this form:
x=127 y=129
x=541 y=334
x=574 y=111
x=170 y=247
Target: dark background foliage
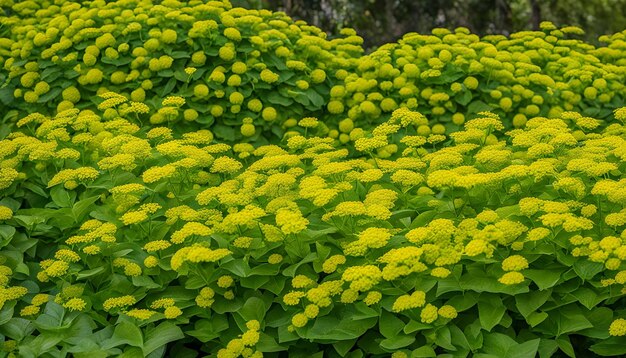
x=382 y=21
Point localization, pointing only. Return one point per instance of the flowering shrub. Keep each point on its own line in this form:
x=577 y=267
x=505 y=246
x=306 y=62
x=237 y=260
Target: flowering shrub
x=188 y=178
x=450 y=74
x=119 y=238
x=238 y=69
x=247 y=73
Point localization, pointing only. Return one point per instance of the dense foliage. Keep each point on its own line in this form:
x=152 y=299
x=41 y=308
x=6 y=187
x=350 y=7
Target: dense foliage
x=429 y=217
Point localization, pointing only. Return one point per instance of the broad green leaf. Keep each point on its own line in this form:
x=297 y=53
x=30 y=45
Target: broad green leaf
x=544 y=279
x=443 y=339
x=331 y=328
x=16 y=328
x=529 y=302
x=611 y=347
x=547 y=348
x=206 y=330
x=571 y=319
x=82 y=207
x=254 y=308
x=423 y=352
x=535 y=318
x=587 y=269
x=161 y=335
x=125 y=333
x=524 y=350
x=389 y=324
x=61 y=197
x=490 y=311
x=397 y=342
x=342 y=347
x=89 y=273
x=566 y=346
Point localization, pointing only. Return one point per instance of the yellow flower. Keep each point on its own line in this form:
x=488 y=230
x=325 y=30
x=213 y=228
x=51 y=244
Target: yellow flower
x=75 y=304
x=372 y=298
x=172 y=312
x=299 y=320
x=447 y=311
x=618 y=327
x=429 y=314
x=511 y=278
x=5 y=213
x=407 y=302
x=514 y=263
x=30 y=310
x=141 y=314
x=225 y=281
x=118 y=302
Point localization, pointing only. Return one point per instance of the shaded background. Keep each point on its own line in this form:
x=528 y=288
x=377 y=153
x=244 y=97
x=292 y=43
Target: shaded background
x=382 y=21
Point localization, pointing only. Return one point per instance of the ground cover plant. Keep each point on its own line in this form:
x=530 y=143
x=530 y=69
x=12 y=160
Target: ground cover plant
x=403 y=225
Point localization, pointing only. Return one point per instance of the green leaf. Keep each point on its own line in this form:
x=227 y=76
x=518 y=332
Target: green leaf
x=342 y=347
x=397 y=342
x=315 y=99
x=478 y=106
x=601 y=319
x=6 y=233
x=6 y=95
x=586 y=296
x=6 y=312
x=423 y=352
x=82 y=207
x=89 y=273
x=208 y=329
x=544 y=278
x=16 y=328
x=61 y=197
x=571 y=319
x=464 y=301
x=331 y=328
x=254 y=308
x=52 y=94
x=490 y=311
x=529 y=302
x=126 y=333
x=267 y=343
x=224 y=132
x=389 y=324
x=498 y=344
x=463 y=98
x=534 y=318
x=414 y=326
x=587 y=269
x=144 y=281
x=566 y=346
x=161 y=335
x=443 y=339
x=169 y=86
x=547 y=348
x=614 y=346
x=525 y=350
x=238 y=267
x=275 y=97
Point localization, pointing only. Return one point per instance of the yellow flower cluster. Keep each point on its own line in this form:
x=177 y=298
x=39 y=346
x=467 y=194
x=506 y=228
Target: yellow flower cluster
x=242 y=345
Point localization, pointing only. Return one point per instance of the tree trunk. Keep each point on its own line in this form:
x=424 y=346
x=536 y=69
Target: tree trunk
x=535 y=14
